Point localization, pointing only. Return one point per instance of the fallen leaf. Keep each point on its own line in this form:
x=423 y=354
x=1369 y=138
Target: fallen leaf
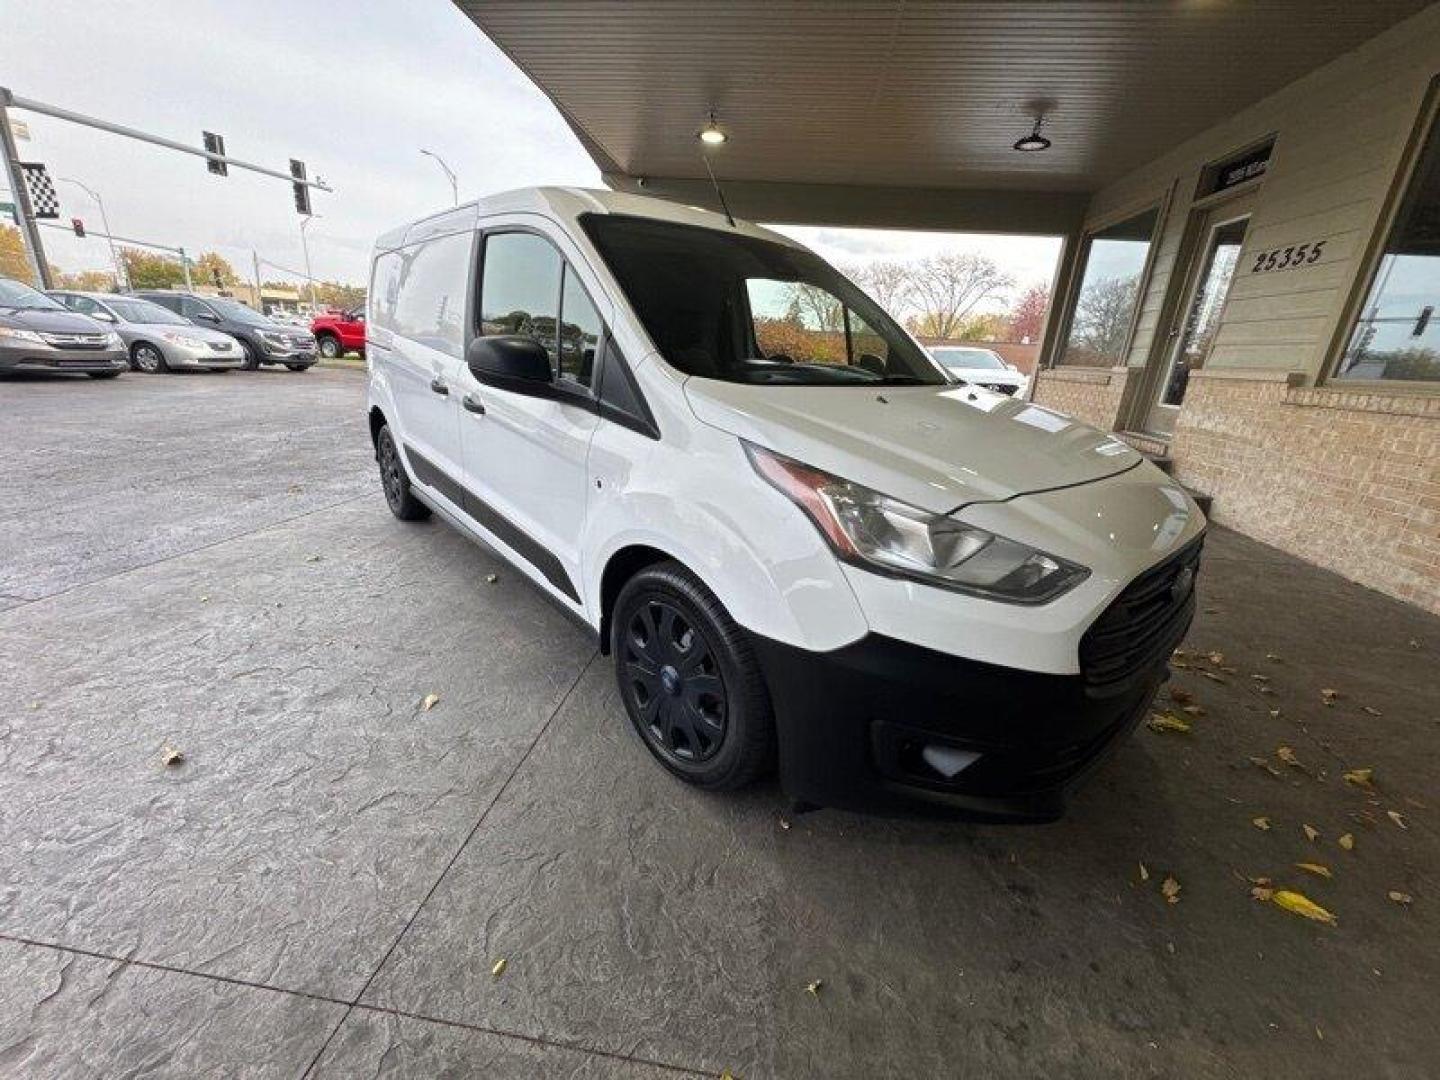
x=314 y=558
x=1287 y=755
x=1370 y=711
x=1347 y=842
x=1311 y=833
x=170 y=757
x=1260 y=678
x=491 y=579
x=1214 y=678
x=1273 y=657
x=1192 y=710
x=1327 y=697
x=1299 y=904
x=1414 y=643
x=1314 y=868
x=1397 y=817
x=1401 y=897
x=1261 y=823
x=430 y=701
x=1263 y=689
x=785 y=824
x=1319 y=1034
x=1217 y=658
x=499 y=968
x=1260 y=762
x=728 y=1075
x=1261 y=892
x=813 y=988
x=1144 y=873
x=204 y=599
x=1167 y=722
x=1360 y=777
x=1181 y=696
x=1170 y=889
x=1274 y=714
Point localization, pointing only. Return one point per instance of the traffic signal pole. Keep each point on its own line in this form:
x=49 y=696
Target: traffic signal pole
x=34 y=250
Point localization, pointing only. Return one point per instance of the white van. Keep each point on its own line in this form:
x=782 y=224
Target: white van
x=799 y=541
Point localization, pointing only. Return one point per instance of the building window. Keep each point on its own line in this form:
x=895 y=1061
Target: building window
x=1397 y=333
x=1103 y=313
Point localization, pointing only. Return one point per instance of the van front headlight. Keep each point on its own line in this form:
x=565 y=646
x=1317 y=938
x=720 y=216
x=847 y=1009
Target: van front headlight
x=877 y=532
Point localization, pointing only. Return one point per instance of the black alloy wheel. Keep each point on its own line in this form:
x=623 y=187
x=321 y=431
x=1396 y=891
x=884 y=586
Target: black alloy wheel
x=689 y=680
x=147 y=358
x=401 y=500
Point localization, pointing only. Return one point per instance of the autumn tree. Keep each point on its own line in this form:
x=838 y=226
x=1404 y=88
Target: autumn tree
x=946 y=288
x=334 y=294
x=147 y=270
x=86 y=280
x=13 y=261
x=1027 y=317
x=212 y=268
x=981 y=326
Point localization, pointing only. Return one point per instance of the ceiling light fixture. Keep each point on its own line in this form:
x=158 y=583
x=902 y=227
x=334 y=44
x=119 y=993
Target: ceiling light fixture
x=711 y=134
x=1034 y=142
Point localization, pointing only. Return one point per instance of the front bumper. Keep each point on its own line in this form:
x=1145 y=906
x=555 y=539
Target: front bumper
x=203 y=359
x=31 y=358
x=854 y=726
x=283 y=354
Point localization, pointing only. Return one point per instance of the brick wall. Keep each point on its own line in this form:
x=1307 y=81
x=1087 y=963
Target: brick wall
x=1344 y=479
x=1089 y=394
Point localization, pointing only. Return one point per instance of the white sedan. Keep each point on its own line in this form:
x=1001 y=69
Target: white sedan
x=983 y=367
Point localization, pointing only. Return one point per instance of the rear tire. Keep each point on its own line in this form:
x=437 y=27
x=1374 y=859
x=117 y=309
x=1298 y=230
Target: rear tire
x=690 y=682
x=396 y=482
x=329 y=347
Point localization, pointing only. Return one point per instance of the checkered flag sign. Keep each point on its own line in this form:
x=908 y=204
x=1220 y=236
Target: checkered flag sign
x=43 y=200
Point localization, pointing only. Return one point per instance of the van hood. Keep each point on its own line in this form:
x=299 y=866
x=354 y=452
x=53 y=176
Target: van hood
x=50 y=322
x=935 y=447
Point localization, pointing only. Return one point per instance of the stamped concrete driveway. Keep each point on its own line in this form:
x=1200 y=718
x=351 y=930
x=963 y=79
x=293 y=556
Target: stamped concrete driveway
x=327 y=880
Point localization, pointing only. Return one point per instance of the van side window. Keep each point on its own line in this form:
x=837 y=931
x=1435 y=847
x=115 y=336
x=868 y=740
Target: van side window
x=385 y=288
x=429 y=305
x=521 y=290
x=580 y=329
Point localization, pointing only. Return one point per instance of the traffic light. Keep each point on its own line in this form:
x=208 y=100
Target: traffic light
x=215 y=144
x=302 y=191
x=78 y=226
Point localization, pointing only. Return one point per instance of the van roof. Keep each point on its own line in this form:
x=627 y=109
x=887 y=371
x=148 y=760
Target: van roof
x=566 y=204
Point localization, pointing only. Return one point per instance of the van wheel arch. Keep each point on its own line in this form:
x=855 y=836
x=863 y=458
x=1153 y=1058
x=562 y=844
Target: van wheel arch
x=621 y=567
x=377 y=421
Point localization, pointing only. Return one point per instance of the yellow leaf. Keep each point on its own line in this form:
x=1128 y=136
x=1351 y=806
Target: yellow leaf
x=1167 y=722
x=1170 y=889
x=1299 y=904
x=1360 y=777
x=1287 y=755
x=431 y=700
x=499 y=968
x=1310 y=832
x=1401 y=897
x=1347 y=842
x=1397 y=817
x=1314 y=868
x=813 y=988
x=1261 y=823
x=728 y=1075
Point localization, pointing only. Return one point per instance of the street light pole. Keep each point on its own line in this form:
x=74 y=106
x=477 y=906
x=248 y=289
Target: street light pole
x=120 y=279
x=305 y=247
x=449 y=175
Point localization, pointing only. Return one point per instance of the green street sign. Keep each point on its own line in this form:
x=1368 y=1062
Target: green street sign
x=8 y=208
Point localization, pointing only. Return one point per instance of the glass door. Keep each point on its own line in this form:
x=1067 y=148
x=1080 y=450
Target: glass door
x=1212 y=271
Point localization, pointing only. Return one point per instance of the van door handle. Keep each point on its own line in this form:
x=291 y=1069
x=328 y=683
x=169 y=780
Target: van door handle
x=438 y=385
x=473 y=404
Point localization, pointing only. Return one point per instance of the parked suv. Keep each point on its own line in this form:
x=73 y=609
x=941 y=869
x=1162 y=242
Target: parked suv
x=157 y=338
x=337 y=333
x=981 y=367
x=262 y=340
x=37 y=334
x=799 y=541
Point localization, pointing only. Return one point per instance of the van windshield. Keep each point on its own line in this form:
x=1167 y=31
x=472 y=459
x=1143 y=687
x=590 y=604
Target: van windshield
x=722 y=305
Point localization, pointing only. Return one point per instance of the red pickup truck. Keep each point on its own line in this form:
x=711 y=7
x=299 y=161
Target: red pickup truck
x=339 y=332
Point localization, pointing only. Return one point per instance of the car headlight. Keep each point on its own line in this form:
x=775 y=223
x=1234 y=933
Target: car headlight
x=28 y=336
x=183 y=340
x=879 y=533
x=113 y=341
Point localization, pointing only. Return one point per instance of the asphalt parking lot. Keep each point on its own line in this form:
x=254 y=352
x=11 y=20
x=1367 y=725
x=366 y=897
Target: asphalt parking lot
x=328 y=878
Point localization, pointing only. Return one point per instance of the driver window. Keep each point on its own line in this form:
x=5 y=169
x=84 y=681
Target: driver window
x=798 y=322
x=192 y=308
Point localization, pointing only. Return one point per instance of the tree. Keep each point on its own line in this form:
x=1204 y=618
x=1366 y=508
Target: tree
x=888 y=283
x=86 y=280
x=146 y=270
x=13 y=261
x=1102 y=322
x=209 y=266
x=945 y=288
x=981 y=326
x=1027 y=317
x=334 y=294
x=815 y=308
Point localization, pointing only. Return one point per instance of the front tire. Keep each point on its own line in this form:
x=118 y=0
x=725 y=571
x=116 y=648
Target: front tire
x=252 y=356
x=393 y=478
x=147 y=358
x=690 y=682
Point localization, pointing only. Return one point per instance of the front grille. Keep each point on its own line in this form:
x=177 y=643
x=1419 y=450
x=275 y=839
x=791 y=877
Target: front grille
x=1143 y=625
x=75 y=341
x=220 y=346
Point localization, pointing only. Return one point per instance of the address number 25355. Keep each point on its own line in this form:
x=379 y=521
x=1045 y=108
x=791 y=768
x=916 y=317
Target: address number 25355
x=1287 y=258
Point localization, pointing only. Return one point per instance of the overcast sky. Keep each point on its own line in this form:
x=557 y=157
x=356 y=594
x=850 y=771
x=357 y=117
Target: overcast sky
x=353 y=89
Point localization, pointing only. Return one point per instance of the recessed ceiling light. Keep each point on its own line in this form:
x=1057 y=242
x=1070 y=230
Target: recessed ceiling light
x=1034 y=142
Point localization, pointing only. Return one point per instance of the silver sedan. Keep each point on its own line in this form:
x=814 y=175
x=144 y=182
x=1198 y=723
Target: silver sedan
x=157 y=339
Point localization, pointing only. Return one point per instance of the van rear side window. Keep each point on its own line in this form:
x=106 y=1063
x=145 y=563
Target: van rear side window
x=420 y=292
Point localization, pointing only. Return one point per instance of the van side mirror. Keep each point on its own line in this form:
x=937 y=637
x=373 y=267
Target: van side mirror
x=511 y=362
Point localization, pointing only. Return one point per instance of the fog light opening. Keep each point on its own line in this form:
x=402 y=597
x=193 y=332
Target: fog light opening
x=948 y=761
